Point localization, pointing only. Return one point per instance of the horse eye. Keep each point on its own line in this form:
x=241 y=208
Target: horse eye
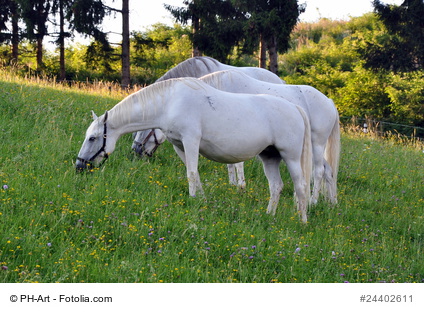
x=92 y=139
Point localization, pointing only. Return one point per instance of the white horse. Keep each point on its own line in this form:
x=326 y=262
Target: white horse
x=223 y=127
x=321 y=111
x=147 y=141
x=200 y=66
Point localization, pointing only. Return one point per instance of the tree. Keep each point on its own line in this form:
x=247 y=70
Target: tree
x=125 y=57
x=63 y=9
x=272 y=21
x=35 y=14
x=9 y=11
x=219 y=26
x=88 y=18
x=402 y=49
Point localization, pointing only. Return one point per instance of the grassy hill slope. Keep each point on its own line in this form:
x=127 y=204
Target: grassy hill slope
x=133 y=221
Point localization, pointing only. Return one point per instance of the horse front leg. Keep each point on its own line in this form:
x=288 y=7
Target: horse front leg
x=232 y=174
x=241 y=181
x=236 y=174
x=191 y=159
x=272 y=173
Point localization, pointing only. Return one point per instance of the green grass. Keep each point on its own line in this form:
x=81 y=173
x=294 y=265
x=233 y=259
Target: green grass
x=133 y=220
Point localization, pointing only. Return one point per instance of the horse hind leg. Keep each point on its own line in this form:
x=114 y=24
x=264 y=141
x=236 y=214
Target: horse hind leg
x=300 y=187
x=330 y=183
x=318 y=173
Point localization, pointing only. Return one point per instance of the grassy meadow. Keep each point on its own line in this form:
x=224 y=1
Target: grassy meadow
x=133 y=221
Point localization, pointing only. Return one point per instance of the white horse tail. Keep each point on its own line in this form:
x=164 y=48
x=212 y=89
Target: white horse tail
x=332 y=157
x=306 y=159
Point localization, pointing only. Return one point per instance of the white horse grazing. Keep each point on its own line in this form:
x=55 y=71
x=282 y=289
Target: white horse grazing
x=147 y=141
x=200 y=66
x=222 y=126
x=323 y=116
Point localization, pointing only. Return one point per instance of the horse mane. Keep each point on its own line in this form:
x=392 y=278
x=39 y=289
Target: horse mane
x=188 y=68
x=124 y=110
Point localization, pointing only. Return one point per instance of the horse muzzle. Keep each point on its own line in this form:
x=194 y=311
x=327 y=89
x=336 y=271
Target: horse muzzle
x=139 y=149
x=82 y=165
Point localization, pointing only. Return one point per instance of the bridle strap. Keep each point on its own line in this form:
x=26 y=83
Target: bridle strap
x=157 y=144
x=150 y=134
x=103 y=148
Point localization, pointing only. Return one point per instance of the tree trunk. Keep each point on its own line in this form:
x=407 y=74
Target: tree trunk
x=40 y=64
x=41 y=32
x=196 y=26
x=15 y=33
x=62 y=42
x=262 y=52
x=125 y=58
x=273 y=55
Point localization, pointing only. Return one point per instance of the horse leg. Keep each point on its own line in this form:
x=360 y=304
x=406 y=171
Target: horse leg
x=330 y=183
x=272 y=173
x=236 y=174
x=295 y=170
x=240 y=175
x=232 y=174
x=318 y=164
x=191 y=163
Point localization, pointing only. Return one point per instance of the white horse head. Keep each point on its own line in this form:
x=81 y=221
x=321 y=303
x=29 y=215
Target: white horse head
x=95 y=147
x=146 y=142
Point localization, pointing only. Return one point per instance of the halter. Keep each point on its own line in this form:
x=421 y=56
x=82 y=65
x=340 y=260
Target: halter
x=150 y=134
x=102 y=149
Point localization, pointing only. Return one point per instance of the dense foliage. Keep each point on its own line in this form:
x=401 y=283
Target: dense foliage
x=330 y=56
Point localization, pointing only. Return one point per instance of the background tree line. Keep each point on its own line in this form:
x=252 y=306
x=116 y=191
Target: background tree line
x=371 y=65
x=217 y=27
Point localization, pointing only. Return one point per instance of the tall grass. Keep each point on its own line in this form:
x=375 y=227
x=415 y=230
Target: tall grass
x=133 y=220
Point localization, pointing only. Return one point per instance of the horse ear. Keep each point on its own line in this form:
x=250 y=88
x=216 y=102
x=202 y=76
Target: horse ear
x=94 y=115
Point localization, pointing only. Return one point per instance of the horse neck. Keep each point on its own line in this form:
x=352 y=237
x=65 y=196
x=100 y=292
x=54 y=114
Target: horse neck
x=139 y=111
x=234 y=81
